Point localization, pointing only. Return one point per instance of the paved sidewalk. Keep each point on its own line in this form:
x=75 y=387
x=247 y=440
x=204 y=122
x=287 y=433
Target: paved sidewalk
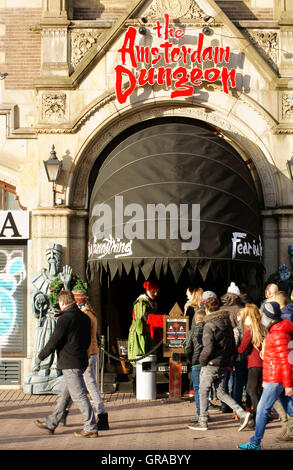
x=134 y=425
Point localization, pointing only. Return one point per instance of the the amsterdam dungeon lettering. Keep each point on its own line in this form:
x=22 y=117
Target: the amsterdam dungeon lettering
x=184 y=78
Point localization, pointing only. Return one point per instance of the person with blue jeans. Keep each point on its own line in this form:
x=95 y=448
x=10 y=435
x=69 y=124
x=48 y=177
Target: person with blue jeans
x=192 y=349
x=71 y=339
x=217 y=355
x=277 y=371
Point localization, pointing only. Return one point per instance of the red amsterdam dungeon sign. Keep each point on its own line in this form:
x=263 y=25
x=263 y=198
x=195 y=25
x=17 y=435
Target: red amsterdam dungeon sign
x=146 y=63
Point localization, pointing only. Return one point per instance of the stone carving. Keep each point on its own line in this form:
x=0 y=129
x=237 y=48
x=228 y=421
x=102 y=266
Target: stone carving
x=267 y=43
x=176 y=9
x=48 y=379
x=287 y=106
x=81 y=42
x=53 y=107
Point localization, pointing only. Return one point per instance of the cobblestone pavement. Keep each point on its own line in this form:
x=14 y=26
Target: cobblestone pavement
x=135 y=425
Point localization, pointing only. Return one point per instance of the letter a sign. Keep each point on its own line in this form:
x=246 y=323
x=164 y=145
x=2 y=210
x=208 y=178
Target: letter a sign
x=14 y=225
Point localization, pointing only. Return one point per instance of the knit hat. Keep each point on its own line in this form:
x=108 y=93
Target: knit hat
x=79 y=296
x=233 y=289
x=148 y=285
x=272 y=310
x=207 y=295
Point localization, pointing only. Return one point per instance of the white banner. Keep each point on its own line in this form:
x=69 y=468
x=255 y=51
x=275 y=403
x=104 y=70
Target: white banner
x=14 y=225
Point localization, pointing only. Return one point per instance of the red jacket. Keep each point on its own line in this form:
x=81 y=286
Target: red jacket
x=276 y=366
x=253 y=357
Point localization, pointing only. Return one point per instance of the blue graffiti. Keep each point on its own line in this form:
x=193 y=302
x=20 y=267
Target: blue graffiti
x=11 y=277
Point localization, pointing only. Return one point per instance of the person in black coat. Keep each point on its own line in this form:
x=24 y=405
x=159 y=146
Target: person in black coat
x=218 y=353
x=192 y=349
x=71 y=339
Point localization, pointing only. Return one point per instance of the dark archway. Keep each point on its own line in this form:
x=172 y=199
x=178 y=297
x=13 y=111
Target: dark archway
x=174 y=161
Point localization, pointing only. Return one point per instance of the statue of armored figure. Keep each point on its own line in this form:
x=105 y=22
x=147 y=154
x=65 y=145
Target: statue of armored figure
x=48 y=378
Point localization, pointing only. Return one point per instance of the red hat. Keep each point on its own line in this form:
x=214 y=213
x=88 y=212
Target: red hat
x=150 y=285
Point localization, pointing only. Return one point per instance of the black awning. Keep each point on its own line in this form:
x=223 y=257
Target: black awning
x=143 y=204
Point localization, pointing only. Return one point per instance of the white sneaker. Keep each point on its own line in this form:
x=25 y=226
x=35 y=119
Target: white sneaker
x=200 y=426
x=244 y=421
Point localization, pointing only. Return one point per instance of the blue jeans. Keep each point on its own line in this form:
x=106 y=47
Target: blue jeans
x=195 y=381
x=272 y=392
x=72 y=385
x=240 y=375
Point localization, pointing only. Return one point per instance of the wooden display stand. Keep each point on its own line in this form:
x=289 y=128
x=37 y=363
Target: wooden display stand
x=176 y=326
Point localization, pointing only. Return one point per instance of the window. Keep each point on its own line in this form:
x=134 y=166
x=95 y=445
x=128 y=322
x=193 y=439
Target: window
x=8 y=197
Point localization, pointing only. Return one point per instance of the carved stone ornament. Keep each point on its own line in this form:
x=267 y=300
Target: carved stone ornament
x=175 y=9
x=81 y=42
x=267 y=43
x=287 y=106
x=53 y=107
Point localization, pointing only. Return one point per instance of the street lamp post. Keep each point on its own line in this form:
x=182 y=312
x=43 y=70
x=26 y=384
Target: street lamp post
x=53 y=167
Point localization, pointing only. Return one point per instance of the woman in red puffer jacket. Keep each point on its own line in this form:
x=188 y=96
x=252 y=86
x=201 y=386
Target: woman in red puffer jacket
x=277 y=371
x=276 y=367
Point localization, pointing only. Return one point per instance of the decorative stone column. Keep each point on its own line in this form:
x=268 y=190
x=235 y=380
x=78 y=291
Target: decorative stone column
x=284 y=16
x=277 y=236
x=56 y=8
x=270 y=242
x=55 y=38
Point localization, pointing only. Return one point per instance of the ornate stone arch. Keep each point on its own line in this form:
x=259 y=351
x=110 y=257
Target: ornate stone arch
x=240 y=135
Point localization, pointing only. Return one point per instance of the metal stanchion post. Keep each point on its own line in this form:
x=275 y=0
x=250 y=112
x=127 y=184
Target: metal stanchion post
x=98 y=368
x=103 y=342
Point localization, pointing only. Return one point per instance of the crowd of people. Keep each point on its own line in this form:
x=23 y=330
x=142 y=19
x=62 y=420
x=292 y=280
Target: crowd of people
x=234 y=349
x=238 y=349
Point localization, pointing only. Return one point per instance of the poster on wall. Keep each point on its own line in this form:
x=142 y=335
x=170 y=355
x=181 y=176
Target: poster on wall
x=176 y=326
x=12 y=300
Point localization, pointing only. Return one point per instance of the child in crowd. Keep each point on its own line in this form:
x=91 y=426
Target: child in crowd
x=286 y=308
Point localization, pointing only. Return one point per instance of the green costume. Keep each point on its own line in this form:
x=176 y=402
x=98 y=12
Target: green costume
x=139 y=339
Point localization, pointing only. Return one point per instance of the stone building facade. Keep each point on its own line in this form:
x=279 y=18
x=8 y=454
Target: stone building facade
x=57 y=87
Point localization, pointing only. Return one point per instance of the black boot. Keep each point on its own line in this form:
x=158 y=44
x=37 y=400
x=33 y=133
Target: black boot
x=64 y=417
x=103 y=424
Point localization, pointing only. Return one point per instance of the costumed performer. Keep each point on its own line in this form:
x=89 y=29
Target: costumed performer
x=146 y=329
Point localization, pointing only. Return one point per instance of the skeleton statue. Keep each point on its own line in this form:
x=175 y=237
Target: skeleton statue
x=47 y=380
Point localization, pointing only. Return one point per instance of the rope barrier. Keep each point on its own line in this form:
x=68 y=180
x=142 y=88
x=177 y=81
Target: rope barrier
x=130 y=360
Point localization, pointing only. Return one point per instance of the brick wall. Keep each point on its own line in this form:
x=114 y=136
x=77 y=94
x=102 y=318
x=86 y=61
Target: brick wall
x=21 y=47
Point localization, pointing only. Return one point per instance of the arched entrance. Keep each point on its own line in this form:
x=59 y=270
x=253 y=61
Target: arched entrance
x=178 y=163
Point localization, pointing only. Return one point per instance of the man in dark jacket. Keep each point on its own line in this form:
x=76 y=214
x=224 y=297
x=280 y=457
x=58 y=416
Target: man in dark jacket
x=71 y=339
x=217 y=355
